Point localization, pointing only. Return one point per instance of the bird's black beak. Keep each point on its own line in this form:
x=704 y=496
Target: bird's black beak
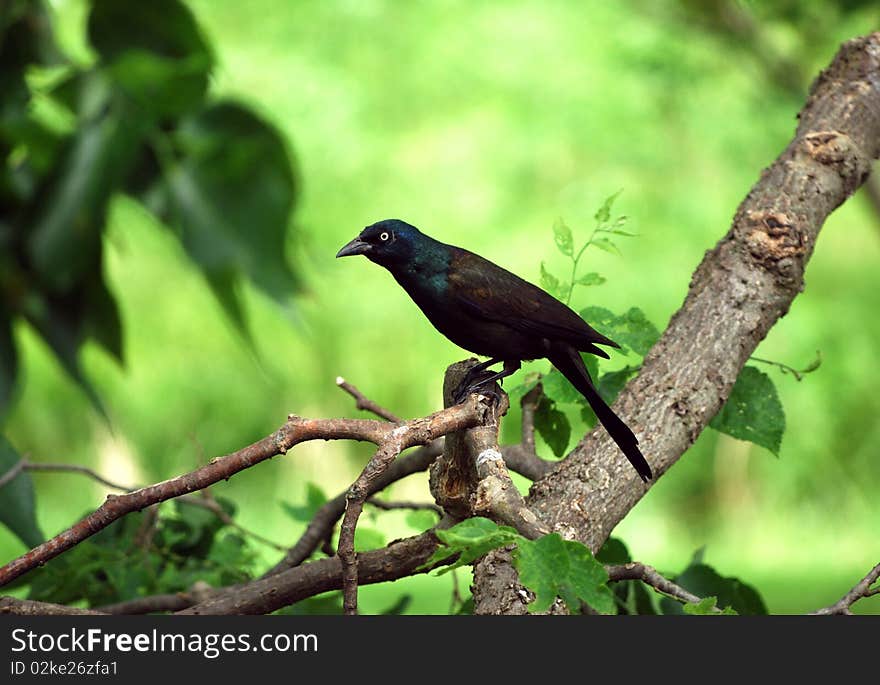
x=356 y=246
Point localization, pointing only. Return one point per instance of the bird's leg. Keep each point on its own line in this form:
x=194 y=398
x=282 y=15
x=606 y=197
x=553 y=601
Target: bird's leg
x=476 y=379
x=471 y=378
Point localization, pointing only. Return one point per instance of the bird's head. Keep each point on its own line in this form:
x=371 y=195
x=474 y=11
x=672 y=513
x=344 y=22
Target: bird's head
x=389 y=242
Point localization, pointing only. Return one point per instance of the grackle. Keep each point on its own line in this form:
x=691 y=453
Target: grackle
x=493 y=313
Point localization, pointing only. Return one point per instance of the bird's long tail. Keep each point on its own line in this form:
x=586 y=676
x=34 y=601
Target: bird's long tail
x=570 y=364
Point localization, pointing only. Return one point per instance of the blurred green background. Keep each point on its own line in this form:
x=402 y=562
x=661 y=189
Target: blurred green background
x=482 y=123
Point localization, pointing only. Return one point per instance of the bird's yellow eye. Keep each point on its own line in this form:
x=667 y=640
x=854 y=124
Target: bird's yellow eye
x=384 y=235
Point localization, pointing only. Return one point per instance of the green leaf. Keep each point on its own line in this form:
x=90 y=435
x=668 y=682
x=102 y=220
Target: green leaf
x=549 y=282
x=558 y=389
x=366 y=539
x=18 y=507
x=399 y=607
x=529 y=381
x=466 y=608
x=704 y=581
x=470 y=539
x=224 y=285
x=8 y=361
x=64 y=238
x=154 y=51
x=614 y=551
x=641 y=599
x=552 y=567
x=606 y=245
x=315 y=499
x=630 y=330
x=562 y=236
x=611 y=383
x=231 y=194
x=101 y=318
x=552 y=425
x=421 y=519
x=707 y=607
x=591 y=278
x=813 y=365
x=603 y=214
x=230 y=551
x=753 y=411
x=60 y=320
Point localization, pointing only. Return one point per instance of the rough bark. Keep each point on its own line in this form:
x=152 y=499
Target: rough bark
x=741 y=288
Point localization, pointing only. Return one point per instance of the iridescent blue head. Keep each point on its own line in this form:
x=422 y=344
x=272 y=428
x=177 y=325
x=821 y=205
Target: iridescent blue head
x=391 y=243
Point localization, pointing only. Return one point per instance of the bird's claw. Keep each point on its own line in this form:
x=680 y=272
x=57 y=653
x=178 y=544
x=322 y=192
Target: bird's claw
x=470 y=386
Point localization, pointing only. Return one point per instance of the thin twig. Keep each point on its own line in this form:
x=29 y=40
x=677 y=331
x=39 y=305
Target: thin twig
x=10 y=475
x=206 y=501
x=75 y=468
x=143 y=537
x=364 y=403
x=529 y=403
x=861 y=590
x=785 y=368
x=456 y=602
x=649 y=575
x=531 y=466
x=418 y=506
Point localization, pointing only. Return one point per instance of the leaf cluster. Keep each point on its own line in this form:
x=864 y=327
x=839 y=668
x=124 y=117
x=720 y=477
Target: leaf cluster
x=137 y=121
x=157 y=551
x=552 y=567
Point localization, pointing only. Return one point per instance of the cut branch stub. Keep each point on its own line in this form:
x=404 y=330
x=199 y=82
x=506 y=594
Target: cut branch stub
x=453 y=476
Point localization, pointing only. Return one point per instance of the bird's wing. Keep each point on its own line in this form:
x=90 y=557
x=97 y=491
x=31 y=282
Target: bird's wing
x=487 y=291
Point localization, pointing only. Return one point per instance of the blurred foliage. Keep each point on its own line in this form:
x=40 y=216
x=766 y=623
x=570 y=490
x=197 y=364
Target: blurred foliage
x=786 y=38
x=18 y=506
x=481 y=123
x=157 y=551
x=136 y=119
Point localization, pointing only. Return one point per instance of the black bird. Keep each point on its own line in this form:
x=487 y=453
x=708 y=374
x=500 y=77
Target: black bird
x=493 y=313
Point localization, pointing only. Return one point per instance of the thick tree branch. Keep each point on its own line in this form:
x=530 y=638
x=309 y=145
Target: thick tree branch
x=264 y=595
x=498 y=499
x=521 y=461
x=743 y=286
x=27 y=607
x=523 y=458
x=416 y=506
x=648 y=574
x=860 y=591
